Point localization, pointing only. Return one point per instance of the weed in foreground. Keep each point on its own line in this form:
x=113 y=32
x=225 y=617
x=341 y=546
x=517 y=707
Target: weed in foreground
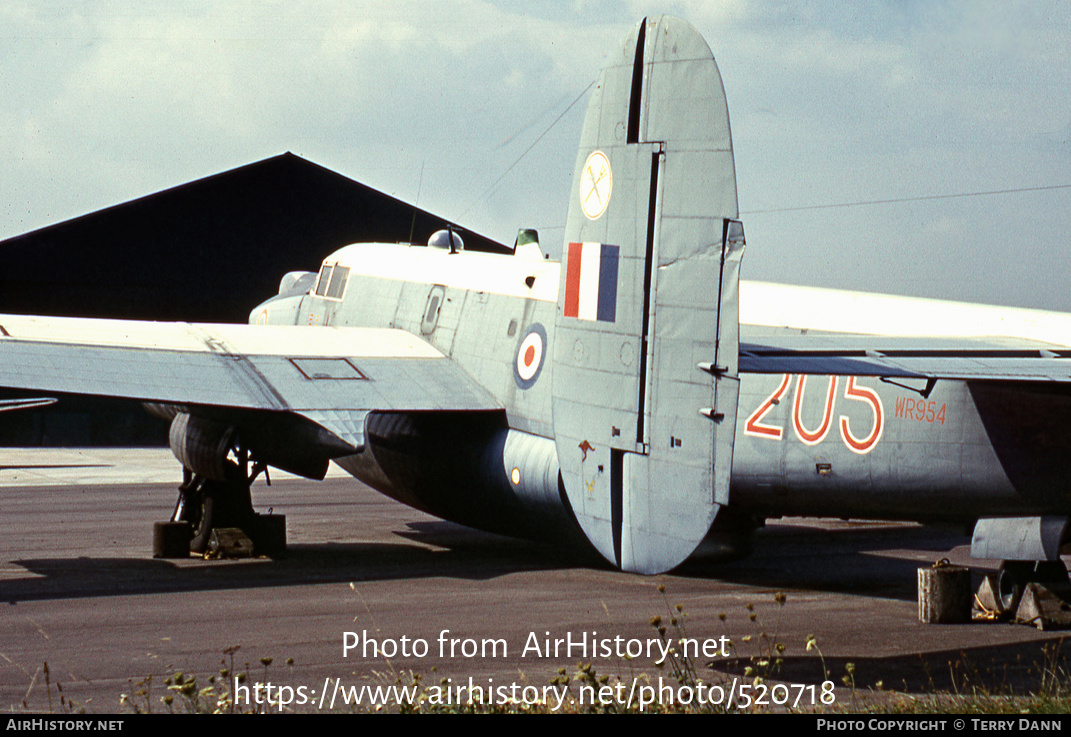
x=967 y=689
x=975 y=690
x=61 y=704
x=183 y=694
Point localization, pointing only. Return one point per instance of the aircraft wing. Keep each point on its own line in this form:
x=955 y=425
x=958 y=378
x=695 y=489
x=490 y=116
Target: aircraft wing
x=996 y=359
x=331 y=376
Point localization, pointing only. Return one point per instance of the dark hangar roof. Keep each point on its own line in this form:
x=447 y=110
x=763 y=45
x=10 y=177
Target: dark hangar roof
x=206 y=251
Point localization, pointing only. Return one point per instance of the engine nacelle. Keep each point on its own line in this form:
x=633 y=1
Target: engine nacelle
x=469 y=468
x=1020 y=538
x=203 y=446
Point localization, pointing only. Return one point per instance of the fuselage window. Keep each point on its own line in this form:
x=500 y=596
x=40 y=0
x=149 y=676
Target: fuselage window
x=432 y=309
x=325 y=277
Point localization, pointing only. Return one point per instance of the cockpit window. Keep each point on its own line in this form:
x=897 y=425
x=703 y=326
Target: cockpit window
x=325 y=277
x=332 y=281
x=338 y=282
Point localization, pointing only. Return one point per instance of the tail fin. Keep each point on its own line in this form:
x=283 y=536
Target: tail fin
x=646 y=341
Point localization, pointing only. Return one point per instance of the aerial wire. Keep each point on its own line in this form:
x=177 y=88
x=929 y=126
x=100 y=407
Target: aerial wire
x=412 y=225
x=883 y=202
x=907 y=199
x=492 y=188
x=860 y=203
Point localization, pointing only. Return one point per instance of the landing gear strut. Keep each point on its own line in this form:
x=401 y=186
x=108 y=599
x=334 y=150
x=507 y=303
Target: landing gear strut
x=206 y=504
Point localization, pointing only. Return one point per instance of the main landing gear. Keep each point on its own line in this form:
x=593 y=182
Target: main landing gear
x=206 y=506
x=1014 y=575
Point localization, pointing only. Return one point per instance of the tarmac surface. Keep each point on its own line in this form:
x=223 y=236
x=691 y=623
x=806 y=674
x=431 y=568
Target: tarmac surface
x=80 y=592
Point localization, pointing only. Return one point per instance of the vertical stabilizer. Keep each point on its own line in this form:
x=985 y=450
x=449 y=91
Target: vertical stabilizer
x=646 y=342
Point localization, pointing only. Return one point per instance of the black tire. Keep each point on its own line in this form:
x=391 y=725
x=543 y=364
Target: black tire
x=1011 y=580
x=201 y=522
x=222 y=504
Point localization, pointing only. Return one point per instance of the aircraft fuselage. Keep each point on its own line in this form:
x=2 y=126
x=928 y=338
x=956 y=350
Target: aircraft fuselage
x=805 y=445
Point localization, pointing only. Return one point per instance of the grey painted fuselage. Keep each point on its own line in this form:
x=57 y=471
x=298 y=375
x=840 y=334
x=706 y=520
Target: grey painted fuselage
x=875 y=450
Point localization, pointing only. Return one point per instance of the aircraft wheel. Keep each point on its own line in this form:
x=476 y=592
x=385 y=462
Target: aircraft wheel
x=1012 y=578
x=201 y=522
x=222 y=505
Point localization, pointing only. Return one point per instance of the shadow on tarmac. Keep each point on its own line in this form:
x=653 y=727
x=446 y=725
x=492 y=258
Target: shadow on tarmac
x=797 y=556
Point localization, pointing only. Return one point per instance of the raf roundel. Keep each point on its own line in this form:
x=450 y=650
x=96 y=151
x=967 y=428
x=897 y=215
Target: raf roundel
x=531 y=352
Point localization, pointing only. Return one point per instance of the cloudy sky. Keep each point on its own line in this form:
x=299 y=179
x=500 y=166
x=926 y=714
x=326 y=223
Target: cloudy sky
x=831 y=104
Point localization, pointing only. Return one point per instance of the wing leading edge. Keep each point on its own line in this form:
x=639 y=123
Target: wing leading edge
x=992 y=359
x=811 y=330
x=331 y=376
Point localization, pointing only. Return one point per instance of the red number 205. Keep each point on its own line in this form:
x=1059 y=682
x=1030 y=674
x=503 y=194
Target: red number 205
x=852 y=392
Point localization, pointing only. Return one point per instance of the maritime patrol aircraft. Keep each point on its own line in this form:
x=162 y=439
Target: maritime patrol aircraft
x=635 y=396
